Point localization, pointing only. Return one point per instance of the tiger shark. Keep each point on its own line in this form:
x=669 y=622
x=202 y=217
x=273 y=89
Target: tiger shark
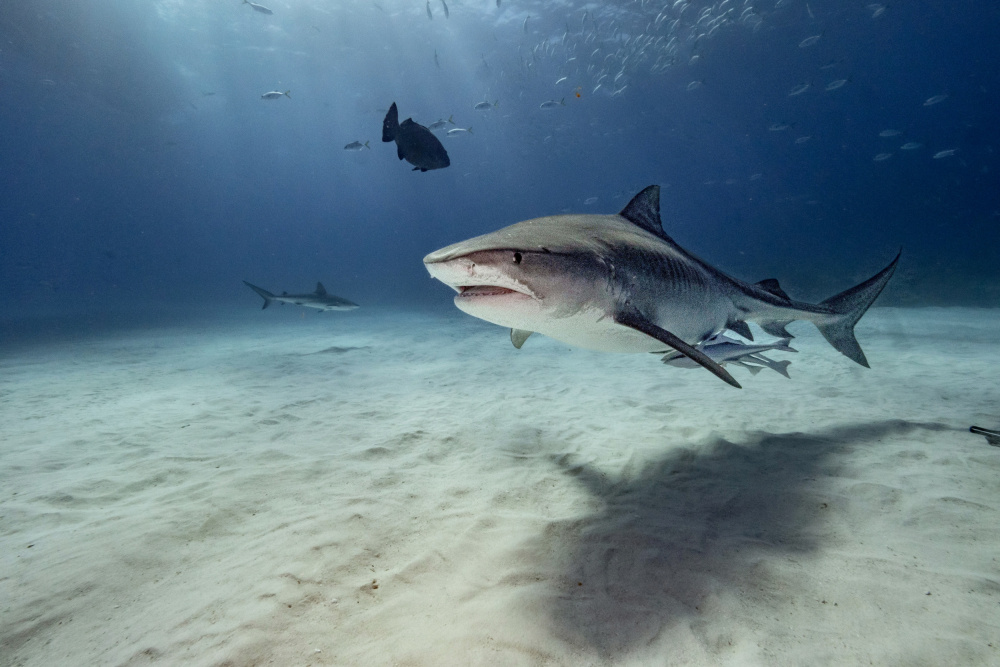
x=619 y=283
x=319 y=299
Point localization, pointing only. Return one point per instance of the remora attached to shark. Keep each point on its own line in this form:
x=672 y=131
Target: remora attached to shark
x=619 y=283
x=319 y=299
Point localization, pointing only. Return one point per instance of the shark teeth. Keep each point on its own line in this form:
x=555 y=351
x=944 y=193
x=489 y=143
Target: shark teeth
x=484 y=290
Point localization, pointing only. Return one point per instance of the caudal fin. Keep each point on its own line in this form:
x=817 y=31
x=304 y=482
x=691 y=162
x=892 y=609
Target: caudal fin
x=390 y=126
x=267 y=296
x=849 y=306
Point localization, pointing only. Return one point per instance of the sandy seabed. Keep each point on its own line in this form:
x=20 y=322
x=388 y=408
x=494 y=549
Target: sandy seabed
x=383 y=487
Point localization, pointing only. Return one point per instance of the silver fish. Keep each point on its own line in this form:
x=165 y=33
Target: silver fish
x=945 y=153
x=552 y=104
x=275 y=94
x=438 y=124
x=937 y=99
x=799 y=89
x=356 y=146
x=459 y=131
x=834 y=85
x=257 y=8
x=809 y=41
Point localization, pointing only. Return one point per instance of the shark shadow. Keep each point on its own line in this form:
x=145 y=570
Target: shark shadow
x=673 y=533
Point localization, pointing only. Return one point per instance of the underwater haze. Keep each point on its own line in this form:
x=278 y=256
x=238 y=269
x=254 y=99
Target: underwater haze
x=806 y=141
x=242 y=424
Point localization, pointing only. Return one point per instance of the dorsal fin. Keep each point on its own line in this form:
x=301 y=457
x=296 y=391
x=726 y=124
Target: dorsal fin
x=771 y=285
x=644 y=211
x=320 y=290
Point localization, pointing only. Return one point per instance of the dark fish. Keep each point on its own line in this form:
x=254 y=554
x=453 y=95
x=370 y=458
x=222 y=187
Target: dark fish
x=446 y=13
x=414 y=142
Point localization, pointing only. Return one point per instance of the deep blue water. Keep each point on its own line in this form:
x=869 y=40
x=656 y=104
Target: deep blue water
x=140 y=165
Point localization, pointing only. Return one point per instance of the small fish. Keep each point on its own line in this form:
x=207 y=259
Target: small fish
x=445 y=5
x=414 y=142
x=882 y=157
x=459 y=130
x=48 y=82
x=910 y=146
x=558 y=81
x=552 y=104
x=485 y=106
x=809 y=41
x=524 y=26
x=885 y=134
x=429 y=15
x=357 y=146
x=695 y=85
x=437 y=125
x=830 y=65
x=589 y=200
x=945 y=153
x=275 y=94
x=257 y=8
x=834 y=85
x=438 y=64
x=937 y=99
x=778 y=127
x=877 y=9
x=799 y=89
x=802 y=140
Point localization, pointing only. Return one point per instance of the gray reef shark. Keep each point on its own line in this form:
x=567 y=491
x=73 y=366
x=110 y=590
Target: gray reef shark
x=319 y=299
x=619 y=283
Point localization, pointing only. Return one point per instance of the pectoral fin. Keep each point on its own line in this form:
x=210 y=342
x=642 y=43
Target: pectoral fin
x=634 y=320
x=518 y=336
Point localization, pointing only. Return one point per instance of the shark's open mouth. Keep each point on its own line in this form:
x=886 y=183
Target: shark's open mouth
x=471 y=291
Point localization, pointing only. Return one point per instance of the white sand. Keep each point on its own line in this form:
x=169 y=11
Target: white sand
x=232 y=493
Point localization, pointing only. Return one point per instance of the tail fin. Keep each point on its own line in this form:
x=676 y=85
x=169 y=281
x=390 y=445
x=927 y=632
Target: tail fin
x=287 y=94
x=267 y=296
x=849 y=306
x=390 y=126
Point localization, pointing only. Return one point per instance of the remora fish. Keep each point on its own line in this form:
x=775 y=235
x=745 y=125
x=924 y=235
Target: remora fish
x=414 y=142
x=619 y=283
x=723 y=349
x=257 y=8
x=318 y=299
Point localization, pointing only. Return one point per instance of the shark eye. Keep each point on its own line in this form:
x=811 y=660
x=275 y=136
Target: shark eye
x=517 y=258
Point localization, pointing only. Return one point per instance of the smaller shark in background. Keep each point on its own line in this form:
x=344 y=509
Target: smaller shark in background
x=319 y=299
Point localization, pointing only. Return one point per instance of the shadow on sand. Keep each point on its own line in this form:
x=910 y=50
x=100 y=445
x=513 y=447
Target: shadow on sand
x=672 y=534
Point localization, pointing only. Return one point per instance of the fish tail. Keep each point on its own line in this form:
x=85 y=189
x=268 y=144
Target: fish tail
x=287 y=94
x=390 y=125
x=451 y=119
x=848 y=307
x=264 y=294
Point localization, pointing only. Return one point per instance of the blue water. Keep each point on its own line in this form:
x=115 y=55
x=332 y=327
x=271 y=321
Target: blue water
x=142 y=168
